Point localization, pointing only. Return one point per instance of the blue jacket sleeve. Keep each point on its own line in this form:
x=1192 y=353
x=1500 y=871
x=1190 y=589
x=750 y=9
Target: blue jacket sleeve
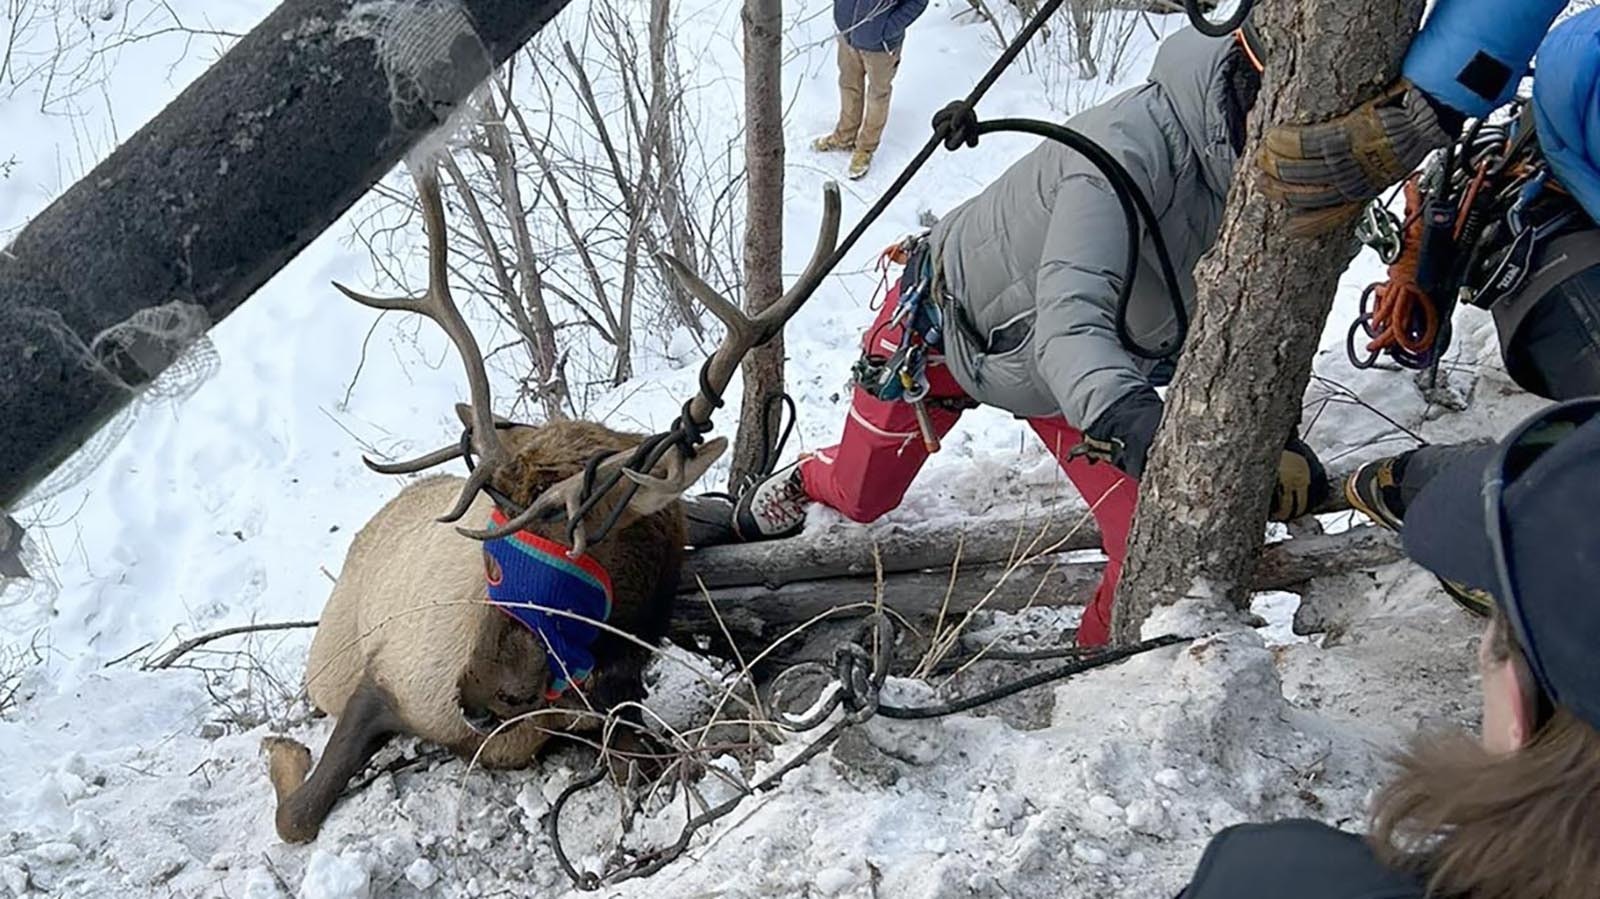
x=1566 y=106
x=1470 y=54
x=904 y=13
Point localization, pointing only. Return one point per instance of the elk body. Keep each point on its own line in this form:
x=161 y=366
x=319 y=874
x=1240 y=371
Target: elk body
x=407 y=643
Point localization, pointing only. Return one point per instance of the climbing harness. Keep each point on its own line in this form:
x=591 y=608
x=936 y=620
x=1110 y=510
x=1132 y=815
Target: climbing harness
x=1476 y=216
x=903 y=374
x=854 y=684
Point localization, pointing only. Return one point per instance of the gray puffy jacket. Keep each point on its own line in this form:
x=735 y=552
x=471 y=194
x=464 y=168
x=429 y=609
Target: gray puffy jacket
x=1035 y=261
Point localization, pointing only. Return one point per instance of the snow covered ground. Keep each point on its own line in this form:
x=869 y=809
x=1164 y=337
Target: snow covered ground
x=235 y=503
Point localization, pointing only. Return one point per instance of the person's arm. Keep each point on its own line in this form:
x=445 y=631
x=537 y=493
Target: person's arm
x=904 y=13
x=1466 y=60
x=1470 y=54
x=1095 y=380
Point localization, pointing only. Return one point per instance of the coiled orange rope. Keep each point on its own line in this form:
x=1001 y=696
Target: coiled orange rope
x=1402 y=316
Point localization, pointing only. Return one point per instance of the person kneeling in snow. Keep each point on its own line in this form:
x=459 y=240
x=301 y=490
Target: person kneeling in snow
x=1515 y=813
x=1021 y=312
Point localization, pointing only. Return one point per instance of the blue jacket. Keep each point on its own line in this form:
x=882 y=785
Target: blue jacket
x=1566 y=106
x=876 y=24
x=1470 y=54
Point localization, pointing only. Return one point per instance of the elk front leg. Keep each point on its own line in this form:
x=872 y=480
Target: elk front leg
x=365 y=725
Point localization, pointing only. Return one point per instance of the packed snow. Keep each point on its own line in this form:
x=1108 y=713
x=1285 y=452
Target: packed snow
x=231 y=499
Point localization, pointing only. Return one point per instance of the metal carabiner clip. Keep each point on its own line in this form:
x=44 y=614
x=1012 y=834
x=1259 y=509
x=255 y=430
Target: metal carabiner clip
x=1380 y=230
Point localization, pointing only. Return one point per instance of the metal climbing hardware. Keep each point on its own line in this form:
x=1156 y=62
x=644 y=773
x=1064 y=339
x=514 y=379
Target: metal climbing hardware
x=1476 y=216
x=1380 y=230
x=903 y=374
x=1515 y=261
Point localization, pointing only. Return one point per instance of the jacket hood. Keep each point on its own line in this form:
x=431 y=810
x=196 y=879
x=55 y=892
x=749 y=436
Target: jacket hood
x=1192 y=69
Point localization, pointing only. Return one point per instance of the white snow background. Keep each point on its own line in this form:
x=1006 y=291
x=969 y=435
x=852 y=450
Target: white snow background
x=235 y=504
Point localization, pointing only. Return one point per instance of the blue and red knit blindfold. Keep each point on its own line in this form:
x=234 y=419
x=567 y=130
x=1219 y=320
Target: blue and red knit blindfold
x=526 y=570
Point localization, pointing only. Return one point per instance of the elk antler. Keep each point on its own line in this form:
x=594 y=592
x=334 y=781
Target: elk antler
x=438 y=305
x=745 y=333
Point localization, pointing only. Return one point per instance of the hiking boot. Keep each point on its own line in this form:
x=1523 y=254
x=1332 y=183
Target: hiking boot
x=1374 y=490
x=831 y=142
x=860 y=161
x=773 y=507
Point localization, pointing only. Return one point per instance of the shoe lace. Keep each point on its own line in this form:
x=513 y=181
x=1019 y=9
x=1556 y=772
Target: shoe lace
x=784 y=504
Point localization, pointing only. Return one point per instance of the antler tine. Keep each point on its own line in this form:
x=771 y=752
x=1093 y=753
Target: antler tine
x=750 y=333
x=567 y=492
x=439 y=305
x=421 y=463
x=475 y=482
x=726 y=311
x=771 y=320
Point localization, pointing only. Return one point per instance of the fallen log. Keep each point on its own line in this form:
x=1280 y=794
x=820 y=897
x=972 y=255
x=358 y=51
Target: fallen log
x=853 y=550
x=754 y=615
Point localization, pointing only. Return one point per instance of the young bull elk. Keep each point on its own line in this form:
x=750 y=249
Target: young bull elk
x=429 y=630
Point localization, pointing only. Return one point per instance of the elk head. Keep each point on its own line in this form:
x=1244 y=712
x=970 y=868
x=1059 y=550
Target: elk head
x=545 y=480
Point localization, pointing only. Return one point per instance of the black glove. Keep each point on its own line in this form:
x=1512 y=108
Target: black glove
x=1302 y=482
x=1123 y=433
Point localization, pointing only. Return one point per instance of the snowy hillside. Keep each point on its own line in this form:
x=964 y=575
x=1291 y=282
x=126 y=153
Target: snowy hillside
x=233 y=500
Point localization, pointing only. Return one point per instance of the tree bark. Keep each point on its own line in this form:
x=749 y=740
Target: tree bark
x=666 y=102
x=204 y=204
x=1263 y=297
x=763 y=227
x=757 y=613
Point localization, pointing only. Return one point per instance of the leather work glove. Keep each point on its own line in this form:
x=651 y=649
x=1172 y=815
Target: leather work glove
x=1302 y=482
x=1123 y=433
x=1325 y=172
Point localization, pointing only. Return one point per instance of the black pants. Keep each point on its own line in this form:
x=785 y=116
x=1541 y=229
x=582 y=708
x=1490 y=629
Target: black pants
x=1556 y=353
x=1560 y=347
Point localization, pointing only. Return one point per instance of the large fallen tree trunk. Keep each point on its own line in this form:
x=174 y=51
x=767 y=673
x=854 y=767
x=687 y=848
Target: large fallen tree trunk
x=200 y=207
x=850 y=550
x=759 y=610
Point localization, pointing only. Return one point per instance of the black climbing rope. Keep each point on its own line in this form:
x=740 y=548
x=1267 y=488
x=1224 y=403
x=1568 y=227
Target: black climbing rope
x=857 y=674
x=954 y=126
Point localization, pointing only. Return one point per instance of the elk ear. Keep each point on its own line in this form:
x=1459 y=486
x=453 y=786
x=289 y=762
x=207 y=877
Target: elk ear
x=464 y=412
x=657 y=493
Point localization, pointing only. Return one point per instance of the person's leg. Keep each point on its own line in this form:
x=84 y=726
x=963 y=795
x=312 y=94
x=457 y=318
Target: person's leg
x=1383 y=488
x=852 y=97
x=1558 y=346
x=867 y=473
x=1111 y=495
x=880 y=68
x=1413 y=470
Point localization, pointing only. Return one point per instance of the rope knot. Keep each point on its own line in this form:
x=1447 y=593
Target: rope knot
x=957 y=122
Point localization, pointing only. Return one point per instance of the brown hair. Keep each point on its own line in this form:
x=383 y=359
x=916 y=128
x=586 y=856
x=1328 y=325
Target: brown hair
x=1525 y=825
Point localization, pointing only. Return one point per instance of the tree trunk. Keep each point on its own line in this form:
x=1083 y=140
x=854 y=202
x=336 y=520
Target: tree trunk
x=665 y=92
x=1263 y=299
x=210 y=199
x=763 y=225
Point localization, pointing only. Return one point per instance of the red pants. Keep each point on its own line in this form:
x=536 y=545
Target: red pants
x=881 y=451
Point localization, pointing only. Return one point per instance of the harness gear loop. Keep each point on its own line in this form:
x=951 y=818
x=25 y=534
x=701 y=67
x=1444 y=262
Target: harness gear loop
x=1398 y=315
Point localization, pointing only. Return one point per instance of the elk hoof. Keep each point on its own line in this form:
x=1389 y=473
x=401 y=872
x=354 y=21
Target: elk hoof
x=288 y=763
